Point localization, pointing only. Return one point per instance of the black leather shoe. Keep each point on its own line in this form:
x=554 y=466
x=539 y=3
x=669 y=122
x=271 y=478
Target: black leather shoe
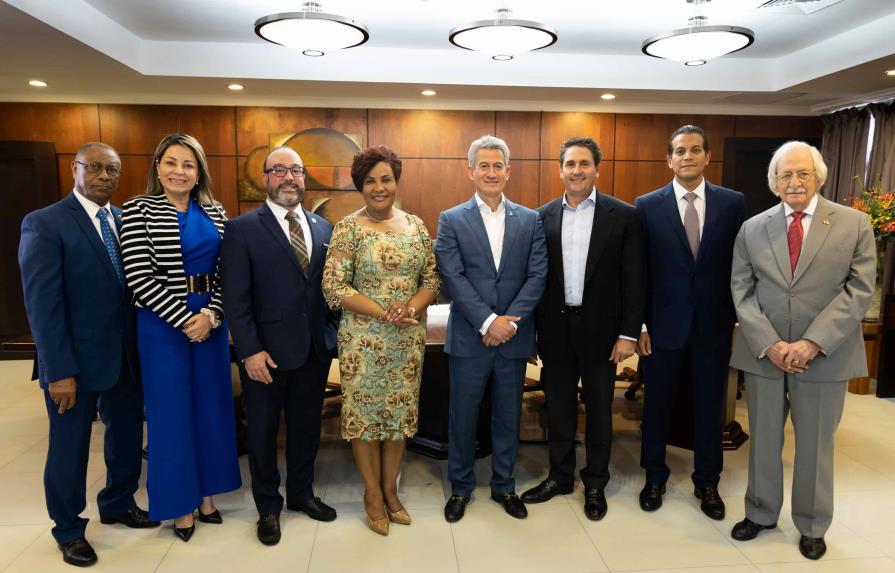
x=511 y=504
x=184 y=533
x=134 y=517
x=315 y=508
x=651 y=496
x=545 y=491
x=812 y=547
x=748 y=529
x=712 y=504
x=213 y=517
x=78 y=552
x=595 y=504
x=455 y=508
x=269 y=529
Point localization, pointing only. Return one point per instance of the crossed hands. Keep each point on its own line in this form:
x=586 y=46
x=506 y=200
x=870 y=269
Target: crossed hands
x=500 y=330
x=792 y=356
x=401 y=315
x=197 y=328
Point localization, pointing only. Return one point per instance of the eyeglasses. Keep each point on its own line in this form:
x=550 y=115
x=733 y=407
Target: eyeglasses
x=800 y=175
x=94 y=167
x=280 y=171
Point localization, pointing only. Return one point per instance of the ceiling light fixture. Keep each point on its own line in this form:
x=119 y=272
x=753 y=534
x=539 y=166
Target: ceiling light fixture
x=235 y=87
x=311 y=32
x=428 y=92
x=37 y=84
x=503 y=37
x=607 y=97
x=698 y=43
x=890 y=72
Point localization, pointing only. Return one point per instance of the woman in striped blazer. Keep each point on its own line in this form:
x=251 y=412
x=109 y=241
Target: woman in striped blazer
x=170 y=238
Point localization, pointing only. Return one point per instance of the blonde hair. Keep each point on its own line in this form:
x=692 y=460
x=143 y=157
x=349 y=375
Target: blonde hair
x=202 y=191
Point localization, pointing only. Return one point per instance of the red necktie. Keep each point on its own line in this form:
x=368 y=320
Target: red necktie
x=794 y=237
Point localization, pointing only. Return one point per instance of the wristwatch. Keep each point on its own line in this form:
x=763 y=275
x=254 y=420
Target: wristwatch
x=212 y=316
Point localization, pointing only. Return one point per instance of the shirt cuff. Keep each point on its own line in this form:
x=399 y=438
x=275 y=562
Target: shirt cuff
x=487 y=324
x=623 y=337
x=643 y=327
x=514 y=325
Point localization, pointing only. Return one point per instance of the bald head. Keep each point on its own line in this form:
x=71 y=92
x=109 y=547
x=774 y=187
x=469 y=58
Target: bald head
x=286 y=190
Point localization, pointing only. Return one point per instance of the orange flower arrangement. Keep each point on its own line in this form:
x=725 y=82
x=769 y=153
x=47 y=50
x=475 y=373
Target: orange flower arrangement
x=879 y=206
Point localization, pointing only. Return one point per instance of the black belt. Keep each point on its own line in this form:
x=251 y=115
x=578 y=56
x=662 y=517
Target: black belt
x=566 y=309
x=199 y=283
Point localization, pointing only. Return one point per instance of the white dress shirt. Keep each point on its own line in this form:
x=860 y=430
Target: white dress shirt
x=806 y=220
x=279 y=213
x=577 y=225
x=495 y=225
x=698 y=203
x=92 y=209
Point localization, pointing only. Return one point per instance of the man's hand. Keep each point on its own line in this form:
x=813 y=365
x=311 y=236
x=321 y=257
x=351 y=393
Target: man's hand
x=622 y=350
x=777 y=354
x=63 y=393
x=800 y=354
x=501 y=330
x=644 y=345
x=256 y=367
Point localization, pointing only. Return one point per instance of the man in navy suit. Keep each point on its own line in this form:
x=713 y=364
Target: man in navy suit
x=492 y=256
x=285 y=337
x=689 y=227
x=81 y=317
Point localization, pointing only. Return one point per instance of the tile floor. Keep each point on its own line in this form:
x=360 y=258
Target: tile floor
x=555 y=537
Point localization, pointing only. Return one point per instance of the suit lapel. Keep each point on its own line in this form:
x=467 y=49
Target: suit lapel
x=216 y=217
x=273 y=226
x=599 y=235
x=317 y=238
x=510 y=230
x=816 y=237
x=86 y=225
x=673 y=214
x=712 y=212
x=477 y=226
x=776 y=228
x=552 y=222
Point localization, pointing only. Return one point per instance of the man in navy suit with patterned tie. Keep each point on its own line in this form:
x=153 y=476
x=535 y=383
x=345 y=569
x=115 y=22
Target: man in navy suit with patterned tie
x=81 y=317
x=492 y=256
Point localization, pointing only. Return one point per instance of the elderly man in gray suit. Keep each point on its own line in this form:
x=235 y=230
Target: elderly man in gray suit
x=802 y=279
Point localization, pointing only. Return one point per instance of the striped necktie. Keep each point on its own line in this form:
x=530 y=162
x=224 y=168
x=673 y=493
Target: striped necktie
x=297 y=238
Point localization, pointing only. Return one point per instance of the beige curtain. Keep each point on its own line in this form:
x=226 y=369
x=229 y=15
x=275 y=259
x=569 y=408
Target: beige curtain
x=882 y=153
x=844 y=150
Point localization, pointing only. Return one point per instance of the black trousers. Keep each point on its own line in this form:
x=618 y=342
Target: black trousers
x=299 y=395
x=560 y=376
x=65 y=474
x=663 y=371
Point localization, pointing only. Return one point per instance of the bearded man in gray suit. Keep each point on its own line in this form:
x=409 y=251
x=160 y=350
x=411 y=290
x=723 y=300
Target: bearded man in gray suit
x=800 y=338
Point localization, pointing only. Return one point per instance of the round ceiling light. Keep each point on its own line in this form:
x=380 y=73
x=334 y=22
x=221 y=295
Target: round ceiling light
x=311 y=32
x=236 y=87
x=37 y=84
x=503 y=38
x=429 y=93
x=607 y=97
x=698 y=43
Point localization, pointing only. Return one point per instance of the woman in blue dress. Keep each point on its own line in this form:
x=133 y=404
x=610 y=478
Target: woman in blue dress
x=170 y=240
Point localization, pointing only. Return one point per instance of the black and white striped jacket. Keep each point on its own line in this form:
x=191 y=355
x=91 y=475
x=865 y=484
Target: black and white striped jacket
x=153 y=263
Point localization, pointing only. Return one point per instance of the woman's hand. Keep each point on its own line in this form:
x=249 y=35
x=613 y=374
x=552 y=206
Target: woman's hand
x=396 y=311
x=197 y=328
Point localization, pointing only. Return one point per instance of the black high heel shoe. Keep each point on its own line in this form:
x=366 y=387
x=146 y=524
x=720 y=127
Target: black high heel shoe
x=184 y=533
x=213 y=517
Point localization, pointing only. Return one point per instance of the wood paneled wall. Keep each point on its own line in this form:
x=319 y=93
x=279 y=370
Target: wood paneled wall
x=432 y=143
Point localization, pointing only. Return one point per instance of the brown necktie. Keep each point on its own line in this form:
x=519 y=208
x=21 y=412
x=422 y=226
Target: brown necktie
x=297 y=238
x=691 y=224
x=794 y=236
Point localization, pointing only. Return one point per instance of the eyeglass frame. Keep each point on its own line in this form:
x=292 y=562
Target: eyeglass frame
x=802 y=176
x=96 y=167
x=301 y=170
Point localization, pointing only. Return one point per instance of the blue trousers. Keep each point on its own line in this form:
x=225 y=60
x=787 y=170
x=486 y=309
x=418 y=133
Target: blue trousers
x=65 y=473
x=469 y=377
x=189 y=415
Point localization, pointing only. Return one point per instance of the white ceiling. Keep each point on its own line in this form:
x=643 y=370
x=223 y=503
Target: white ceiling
x=185 y=51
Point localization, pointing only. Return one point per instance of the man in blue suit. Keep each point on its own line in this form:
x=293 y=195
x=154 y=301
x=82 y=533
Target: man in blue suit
x=492 y=256
x=689 y=227
x=285 y=337
x=80 y=313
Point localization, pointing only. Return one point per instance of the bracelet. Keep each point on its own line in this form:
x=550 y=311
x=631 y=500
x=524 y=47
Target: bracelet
x=212 y=316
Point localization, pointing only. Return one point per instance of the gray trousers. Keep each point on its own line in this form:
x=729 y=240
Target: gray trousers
x=816 y=409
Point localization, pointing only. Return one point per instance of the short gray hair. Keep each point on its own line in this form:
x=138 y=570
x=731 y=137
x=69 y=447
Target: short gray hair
x=488 y=142
x=820 y=168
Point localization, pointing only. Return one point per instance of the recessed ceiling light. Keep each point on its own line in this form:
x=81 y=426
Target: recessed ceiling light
x=607 y=96
x=235 y=87
x=37 y=84
x=428 y=92
x=890 y=72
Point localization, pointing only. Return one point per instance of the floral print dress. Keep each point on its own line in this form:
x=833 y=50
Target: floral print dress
x=380 y=364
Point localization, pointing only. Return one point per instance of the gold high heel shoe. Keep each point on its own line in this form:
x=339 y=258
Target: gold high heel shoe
x=401 y=517
x=379 y=526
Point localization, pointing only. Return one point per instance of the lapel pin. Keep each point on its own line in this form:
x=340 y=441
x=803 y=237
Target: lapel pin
x=313 y=220
x=826 y=221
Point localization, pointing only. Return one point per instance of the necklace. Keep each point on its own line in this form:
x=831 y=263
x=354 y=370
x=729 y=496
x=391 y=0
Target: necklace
x=368 y=214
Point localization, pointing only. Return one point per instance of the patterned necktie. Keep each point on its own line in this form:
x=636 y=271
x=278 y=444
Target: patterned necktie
x=111 y=243
x=691 y=224
x=794 y=236
x=297 y=238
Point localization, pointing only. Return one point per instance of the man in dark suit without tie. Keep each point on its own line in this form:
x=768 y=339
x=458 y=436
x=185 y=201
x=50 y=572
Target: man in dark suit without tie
x=81 y=317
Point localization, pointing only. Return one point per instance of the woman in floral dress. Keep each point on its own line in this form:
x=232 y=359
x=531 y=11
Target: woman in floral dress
x=380 y=270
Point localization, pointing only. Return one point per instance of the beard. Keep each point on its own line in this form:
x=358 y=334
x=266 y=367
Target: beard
x=287 y=195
